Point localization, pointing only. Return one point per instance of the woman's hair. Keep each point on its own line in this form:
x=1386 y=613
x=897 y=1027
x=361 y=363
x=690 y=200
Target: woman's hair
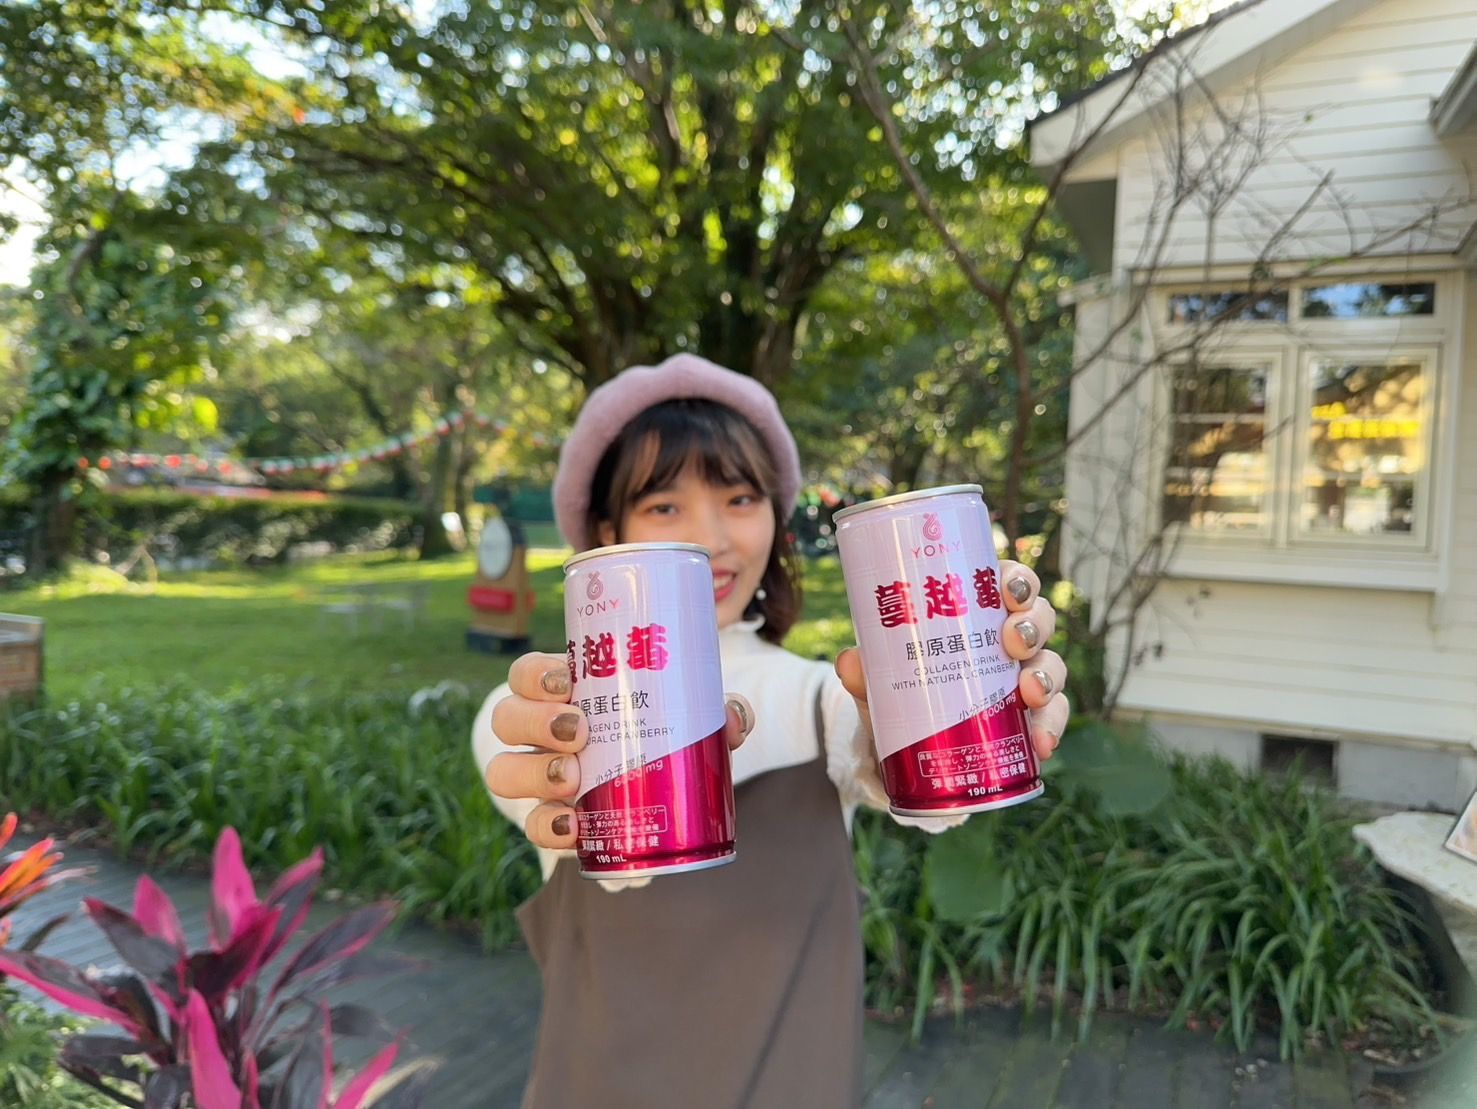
x=655 y=447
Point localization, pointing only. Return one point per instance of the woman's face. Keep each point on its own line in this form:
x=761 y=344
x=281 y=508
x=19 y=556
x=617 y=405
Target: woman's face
x=734 y=522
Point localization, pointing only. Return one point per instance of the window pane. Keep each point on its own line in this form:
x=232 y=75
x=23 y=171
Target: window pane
x=1229 y=498
x=1366 y=448
x=1211 y=393
x=1239 y=304
x=1216 y=476
x=1362 y=300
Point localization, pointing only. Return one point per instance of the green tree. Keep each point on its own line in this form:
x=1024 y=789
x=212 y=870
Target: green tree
x=903 y=354
x=381 y=359
x=132 y=286
x=634 y=178
x=15 y=317
x=610 y=180
x=954 y=53
x=629 y=178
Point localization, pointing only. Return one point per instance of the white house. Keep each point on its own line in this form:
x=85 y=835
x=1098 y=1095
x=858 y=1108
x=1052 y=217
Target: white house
x=1279 y=208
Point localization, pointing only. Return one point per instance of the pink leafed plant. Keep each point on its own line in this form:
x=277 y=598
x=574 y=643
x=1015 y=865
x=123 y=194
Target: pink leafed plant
x=229 y=1025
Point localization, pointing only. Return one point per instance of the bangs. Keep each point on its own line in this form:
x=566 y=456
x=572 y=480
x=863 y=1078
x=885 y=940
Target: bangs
x=720 y=445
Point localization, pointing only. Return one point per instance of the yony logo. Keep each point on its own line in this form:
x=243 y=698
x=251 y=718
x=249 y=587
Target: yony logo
x=596 y=607
x=595 y=589
x=933 y=534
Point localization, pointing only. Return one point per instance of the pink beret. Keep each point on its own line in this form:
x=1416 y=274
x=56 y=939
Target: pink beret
x=624 y=397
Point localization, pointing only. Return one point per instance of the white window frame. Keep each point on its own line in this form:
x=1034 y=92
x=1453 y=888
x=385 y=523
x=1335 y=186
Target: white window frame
x=1287 y=554
x=1418 y=540
x=1273 y=362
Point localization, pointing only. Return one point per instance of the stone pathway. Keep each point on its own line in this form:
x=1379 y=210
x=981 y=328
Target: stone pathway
x=478 y=1013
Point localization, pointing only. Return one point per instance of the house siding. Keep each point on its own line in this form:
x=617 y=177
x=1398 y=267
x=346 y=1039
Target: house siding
x=1370 y=85
x=1215 y=662
x=1394 y=667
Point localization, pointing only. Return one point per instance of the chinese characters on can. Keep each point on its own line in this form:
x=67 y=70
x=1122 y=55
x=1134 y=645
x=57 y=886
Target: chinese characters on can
x=942 y=596
x=646 y=649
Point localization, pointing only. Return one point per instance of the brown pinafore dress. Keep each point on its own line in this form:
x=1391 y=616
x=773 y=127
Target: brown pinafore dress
x=734 y=987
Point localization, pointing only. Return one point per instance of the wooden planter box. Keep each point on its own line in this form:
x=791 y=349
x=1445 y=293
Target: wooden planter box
x=21 y=642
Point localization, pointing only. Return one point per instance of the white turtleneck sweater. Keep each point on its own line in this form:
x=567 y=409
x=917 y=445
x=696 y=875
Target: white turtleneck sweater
x=782 y=687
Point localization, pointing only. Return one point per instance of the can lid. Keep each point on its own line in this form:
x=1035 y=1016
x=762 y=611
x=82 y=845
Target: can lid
x=631 y=548
x=901 y=498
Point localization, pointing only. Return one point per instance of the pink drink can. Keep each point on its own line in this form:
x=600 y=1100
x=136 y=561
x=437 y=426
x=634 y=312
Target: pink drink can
x=924 y=587
x=656 y=783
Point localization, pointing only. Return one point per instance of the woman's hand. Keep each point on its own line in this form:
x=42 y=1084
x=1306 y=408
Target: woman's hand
x=1027 y=628
x=538 y=714
x=1030 y=624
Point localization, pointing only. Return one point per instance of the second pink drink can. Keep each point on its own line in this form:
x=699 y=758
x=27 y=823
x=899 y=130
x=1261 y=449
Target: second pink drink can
x=924 y=587
x=656 y=784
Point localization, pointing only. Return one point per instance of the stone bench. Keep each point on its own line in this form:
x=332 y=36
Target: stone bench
x=1411 y=845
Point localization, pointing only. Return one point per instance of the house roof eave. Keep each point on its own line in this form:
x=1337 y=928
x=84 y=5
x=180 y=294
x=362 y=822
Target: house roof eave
x=1467 y=249
x=1246 y=37
x=1455 y=110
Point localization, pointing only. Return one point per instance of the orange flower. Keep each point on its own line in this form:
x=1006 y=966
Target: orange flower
x=28 y=874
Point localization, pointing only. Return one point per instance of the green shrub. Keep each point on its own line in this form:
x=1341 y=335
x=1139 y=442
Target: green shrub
x=233 y=530
x=385 y=785
x=1243 y=901
x=1185 y=888
x=29 y=1076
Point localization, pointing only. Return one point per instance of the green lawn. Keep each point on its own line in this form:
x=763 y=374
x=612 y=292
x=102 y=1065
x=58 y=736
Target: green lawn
x=220 y=629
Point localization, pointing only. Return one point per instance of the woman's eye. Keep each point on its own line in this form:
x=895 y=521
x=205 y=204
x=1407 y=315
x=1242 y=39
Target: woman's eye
x=744 y=499
x=661 y=508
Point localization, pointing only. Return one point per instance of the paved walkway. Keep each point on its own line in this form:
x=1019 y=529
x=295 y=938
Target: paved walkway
x=478 y=1012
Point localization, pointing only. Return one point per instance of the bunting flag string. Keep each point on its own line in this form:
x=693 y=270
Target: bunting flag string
x=392 y=447
x=245 y=470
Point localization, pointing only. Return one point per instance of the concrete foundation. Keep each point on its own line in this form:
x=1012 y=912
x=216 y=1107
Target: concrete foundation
x=1386 y=773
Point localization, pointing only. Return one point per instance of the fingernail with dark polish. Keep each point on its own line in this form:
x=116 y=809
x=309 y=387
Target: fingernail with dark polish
x=1019 y=588
x=555 y=770
x=561 y=825
x=565 y=725
x=745 y=724
x=1028 y=633
x=1047 y=685
x=555 y=682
